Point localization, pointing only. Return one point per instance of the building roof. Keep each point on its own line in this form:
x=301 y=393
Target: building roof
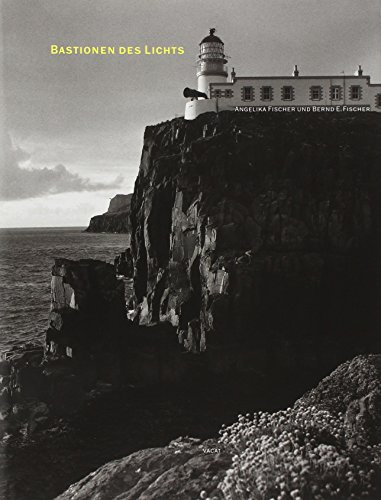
x=211 y=37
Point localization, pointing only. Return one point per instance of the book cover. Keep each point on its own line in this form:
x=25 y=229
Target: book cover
x=190 y=249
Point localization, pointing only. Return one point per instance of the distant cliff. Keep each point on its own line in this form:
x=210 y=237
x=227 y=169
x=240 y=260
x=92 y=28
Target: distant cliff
x=262 y=229
x=116 y=219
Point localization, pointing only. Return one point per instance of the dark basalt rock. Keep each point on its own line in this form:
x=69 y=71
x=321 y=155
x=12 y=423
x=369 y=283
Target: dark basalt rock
x=116 y=219
x=262 y=230
x=88 y=313
x=87 y=325
x=124 y=264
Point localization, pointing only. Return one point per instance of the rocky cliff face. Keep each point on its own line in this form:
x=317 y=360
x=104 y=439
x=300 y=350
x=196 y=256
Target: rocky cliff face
x=116 y=219
x=262 y=229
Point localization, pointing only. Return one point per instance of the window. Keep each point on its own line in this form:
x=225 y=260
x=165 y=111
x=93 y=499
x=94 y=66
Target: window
x=316 y=93
x=266 y=93
x=217 y=93
x=355 y=92
x=247 y=93
x=336 y=93
x=228 y=93
x=287 y=93
x=378 y=100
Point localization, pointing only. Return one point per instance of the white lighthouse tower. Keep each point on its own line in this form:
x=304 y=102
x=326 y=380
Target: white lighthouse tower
x=211 y=65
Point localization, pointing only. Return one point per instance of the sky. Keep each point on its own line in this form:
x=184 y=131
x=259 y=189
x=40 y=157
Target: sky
x=72 y=126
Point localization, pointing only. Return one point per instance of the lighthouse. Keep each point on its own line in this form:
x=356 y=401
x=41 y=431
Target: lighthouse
x=296 y=92
x=211 y=62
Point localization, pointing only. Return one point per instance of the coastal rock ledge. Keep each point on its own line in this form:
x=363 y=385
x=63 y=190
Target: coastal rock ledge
x=187 y=467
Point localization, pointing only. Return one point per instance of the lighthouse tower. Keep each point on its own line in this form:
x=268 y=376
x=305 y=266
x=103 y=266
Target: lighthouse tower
x=211 y=64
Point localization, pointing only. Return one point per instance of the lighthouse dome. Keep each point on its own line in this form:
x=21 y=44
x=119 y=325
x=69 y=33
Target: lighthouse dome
x=211 y=38
x=212 y=48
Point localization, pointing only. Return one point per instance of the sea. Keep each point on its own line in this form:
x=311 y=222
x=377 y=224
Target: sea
x=26 y=259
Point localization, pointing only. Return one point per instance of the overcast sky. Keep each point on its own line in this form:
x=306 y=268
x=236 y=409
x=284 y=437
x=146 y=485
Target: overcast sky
x=73 y=125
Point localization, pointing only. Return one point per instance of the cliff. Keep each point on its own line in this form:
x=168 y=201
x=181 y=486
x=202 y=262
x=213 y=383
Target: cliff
x=116 y=219
x=262 y=230
x=255 y=241
x=255 y=254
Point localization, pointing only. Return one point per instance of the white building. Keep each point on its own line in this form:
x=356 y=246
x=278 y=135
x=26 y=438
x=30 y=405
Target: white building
x=275 y=93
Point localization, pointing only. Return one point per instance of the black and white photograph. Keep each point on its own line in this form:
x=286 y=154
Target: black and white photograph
x=190 y=250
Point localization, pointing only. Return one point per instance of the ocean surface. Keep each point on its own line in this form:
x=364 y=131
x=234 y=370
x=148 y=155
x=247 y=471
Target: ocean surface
x=26 y=259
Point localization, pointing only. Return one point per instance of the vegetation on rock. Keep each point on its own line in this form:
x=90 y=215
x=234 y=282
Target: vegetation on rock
x=297 y=453
x=326 y=446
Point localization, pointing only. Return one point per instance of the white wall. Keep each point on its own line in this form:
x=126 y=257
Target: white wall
x=204 y=81
x=195 y=108
x=301 y=87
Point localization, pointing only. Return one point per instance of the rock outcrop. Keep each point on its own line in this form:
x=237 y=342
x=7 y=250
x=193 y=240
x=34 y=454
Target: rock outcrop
x=180 y=470
x=87 y=325
x=116 y=219
x=264 y=230
x=188 y=468
x=88 y=316
x=354 y=389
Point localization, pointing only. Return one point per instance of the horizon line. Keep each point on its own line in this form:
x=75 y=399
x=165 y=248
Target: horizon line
x=41 y=227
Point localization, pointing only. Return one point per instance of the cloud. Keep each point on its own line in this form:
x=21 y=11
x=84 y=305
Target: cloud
x=18 y=182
